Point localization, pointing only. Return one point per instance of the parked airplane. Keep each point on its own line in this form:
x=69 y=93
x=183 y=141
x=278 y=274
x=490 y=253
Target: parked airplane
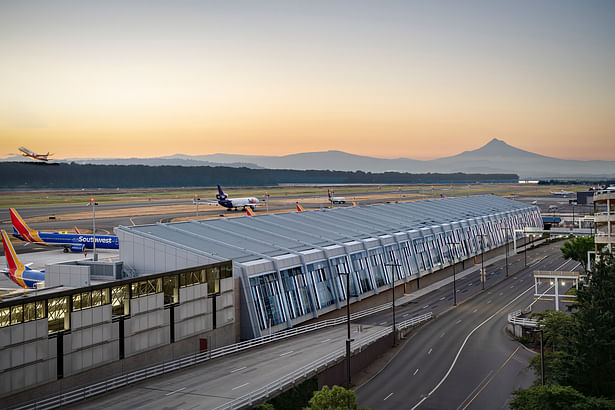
x=27 y=153
x=335 y=199
x=234 y=203
x=18 y=272
x=69 y=241
x=561 y=193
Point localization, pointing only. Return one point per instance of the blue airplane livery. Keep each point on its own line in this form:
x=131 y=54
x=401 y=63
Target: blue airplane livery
x=69 y=241
x=18 y=272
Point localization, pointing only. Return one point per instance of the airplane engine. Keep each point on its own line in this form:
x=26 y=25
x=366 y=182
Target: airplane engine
x=77 y=247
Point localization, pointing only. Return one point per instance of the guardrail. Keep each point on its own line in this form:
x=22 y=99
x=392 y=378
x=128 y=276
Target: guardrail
x=516 y=320
x=314 y=368
x=104 y=386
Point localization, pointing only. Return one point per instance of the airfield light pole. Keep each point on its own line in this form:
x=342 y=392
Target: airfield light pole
x=507 y=229
x=267 y=200
x=393 y=265
x=93 y=205
x=196 y=201
x=453 y=258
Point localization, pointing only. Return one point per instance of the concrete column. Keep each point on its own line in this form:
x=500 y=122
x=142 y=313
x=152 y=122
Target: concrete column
x=556 y=294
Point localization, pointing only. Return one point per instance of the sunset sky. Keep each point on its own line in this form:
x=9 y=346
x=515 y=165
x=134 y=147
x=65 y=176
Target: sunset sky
x=417 y=79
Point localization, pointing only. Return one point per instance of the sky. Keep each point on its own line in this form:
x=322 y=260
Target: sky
x=390 y=79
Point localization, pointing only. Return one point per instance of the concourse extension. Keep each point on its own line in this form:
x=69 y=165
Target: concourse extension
x=291 y=265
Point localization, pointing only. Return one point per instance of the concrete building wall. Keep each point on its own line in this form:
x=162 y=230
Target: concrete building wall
x=194 y=314
x=148 y=325
x=74 y=276
x=93 y=340
x=27 y=356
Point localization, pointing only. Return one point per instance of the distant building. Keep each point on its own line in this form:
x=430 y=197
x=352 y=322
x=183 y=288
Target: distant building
x=585 y=197
x=604 y=218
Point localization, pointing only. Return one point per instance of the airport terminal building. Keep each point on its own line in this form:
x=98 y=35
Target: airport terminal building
x=292 y=266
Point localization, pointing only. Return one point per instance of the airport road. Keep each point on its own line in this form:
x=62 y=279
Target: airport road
x=216 y=382
x=463 y=357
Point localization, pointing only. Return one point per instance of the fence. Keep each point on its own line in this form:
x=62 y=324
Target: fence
x=516 y=320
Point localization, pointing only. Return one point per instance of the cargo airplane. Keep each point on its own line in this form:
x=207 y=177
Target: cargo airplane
x=27 y=153
x=234 y=203
x=335 y=199
x=69 y=241
x=19 y=273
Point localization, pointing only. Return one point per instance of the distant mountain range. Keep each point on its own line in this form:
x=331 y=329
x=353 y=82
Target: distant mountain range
x=494 y=157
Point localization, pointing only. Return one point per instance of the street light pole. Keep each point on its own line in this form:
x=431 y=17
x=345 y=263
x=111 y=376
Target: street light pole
x=454 y=285
x=393 y=303
x=348 y=339
x=483 y=274
x=196 y=201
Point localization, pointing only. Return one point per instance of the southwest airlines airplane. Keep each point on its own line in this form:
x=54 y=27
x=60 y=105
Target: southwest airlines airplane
x=27 y=153
x=18 y=272
x=235 y=203
x=69 y=241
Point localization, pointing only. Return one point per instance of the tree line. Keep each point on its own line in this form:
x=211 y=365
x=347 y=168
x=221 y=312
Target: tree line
x=72 y=175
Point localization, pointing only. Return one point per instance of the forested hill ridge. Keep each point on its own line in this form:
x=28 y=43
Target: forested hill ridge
x=40 y=175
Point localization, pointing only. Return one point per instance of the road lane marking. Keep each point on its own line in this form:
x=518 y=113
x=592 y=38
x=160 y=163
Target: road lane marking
x=284 y=354
x=457 y=322
x=442 y=298
x=475 y=310
x=476 y=388
x=168 y=394
x=425 y=307
x=501 y=293
x=415 y=372
x=241 y=368
x=489 y=301
x=429 y=352
x=450 y=369
x=442 y=335
x=325 y=341
x=383 y=323
x=492 y=377
x=406 y=314
x=239 y=387
x=388 y=397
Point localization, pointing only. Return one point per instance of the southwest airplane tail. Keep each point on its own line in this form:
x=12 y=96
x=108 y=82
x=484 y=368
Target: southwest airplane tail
x=300 y=208
x=18 y=272
x=70 y=242
x=250 y=212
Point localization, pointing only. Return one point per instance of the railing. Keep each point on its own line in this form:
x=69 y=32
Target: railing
x=314 y=368
x=85 y=392
x=516 y=320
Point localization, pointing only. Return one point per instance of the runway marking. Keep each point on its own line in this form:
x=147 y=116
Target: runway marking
x=457 y=322
x=168 y=394
x=241 y=368
x=388 y=397
x=284 y=354
x=415 y=372
x=450 y=369
x=429 y=352
x=425 y=307
x=492 y=377
x=239 y=387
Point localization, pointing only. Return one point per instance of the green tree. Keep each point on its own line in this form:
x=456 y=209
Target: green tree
x=556 y=327
x=556 y=397
x=337 y=398
x=577 y=248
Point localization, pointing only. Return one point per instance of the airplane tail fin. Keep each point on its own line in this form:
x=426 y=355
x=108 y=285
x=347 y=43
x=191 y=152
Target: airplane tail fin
x=11 y=257
x=22 y=227
x=354 y=203
x=329 y=193
x=300 y=208
x=77 y=230
x=249 y=211
x=221 y=194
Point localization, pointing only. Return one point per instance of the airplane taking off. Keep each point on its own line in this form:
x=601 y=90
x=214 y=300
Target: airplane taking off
x=69 y=241
x=41 y=157
x=335 y=199
x=234 y=203
x=561 y=193
x=18 y=272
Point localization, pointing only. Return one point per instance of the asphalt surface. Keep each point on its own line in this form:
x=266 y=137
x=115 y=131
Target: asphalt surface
x=464 y=358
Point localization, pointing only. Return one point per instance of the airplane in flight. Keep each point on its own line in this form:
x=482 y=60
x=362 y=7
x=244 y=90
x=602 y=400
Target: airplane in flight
x=41 y=157
x=19 y=273
x=335 y=199
x=561 y=193
x=234 y=203
x=69 y=241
